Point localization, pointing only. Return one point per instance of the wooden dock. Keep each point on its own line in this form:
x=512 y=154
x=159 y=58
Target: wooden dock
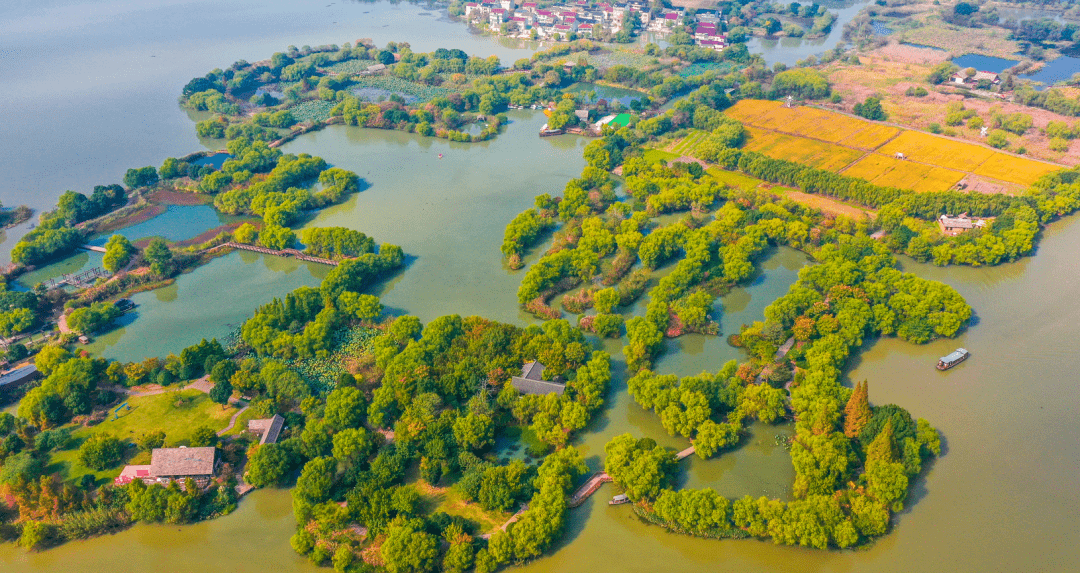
x=94 y=248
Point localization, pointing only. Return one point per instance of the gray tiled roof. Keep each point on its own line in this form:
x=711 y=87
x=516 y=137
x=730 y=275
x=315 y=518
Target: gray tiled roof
x=165 y=462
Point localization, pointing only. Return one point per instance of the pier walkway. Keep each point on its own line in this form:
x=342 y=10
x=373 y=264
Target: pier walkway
x=299 y=255
x=600 y=478
x=80 y=280
x=94 y=248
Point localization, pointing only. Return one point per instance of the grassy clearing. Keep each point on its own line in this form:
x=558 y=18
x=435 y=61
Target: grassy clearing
x=656 y=155
x=447 y=500
x=825 y=204
x=178 y=414
x=991 y=41
x=737 y=180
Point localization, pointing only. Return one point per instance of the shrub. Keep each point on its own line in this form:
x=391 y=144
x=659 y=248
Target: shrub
x=997 y=139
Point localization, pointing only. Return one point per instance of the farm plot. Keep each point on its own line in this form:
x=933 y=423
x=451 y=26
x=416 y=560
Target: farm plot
x=816 y=154
x=890 y=172
x=1014 y=169
x=926 y=148
x=803 y=121
x=871 y=137
x=687 y=145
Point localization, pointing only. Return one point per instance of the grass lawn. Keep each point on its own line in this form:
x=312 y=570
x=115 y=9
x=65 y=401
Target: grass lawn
x=655 y=155
x=242 y=422
x=447 y=500
x=737 y=180
x=178 y=414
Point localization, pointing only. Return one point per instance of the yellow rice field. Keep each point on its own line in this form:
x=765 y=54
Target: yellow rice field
x=891 y=172
x=872 y=137
x=927 y=148
x=833 y=141
x=1014 y=169
x=817 y=154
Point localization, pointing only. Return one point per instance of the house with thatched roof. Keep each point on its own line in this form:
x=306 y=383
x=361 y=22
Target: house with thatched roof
x=532 y=381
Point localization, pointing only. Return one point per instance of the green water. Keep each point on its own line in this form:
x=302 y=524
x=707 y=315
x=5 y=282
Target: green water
x=1002 y=498
x=206 y=303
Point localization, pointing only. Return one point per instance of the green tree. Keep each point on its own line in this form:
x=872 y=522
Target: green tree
x=148 y=441
x=100 y=452
x=221 y=392
x=641 y=467
x=159 y=256
x=871 y=109
x=203 y=436
x=474 y=432
x=118 y=252
x=267 y=464
x=408 y=549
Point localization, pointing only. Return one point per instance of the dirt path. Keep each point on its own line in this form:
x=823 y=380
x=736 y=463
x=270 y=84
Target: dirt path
x=232 y=421
x=203 y=385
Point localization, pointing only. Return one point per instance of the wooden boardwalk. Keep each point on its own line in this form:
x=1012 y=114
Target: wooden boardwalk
x=588 y=488
x=600 y=478
x=80 y=280
x=94 y=248
x=299 y=255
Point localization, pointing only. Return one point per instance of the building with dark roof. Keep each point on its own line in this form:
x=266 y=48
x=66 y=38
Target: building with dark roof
x=532 y=381
x=268 y=429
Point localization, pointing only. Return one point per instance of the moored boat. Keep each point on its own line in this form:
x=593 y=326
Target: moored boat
x=619 y=499
x=956 y=357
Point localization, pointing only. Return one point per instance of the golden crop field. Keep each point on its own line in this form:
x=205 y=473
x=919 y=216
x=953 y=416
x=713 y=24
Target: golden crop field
x=891 y=172
x=871 y=137
x=1014 y=169
x=831 y=141
x=927 y=148
x=804 y=121
x=817 y=154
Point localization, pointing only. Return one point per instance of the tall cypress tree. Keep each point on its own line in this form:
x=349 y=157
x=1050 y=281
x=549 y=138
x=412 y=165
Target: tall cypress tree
x=857 y=411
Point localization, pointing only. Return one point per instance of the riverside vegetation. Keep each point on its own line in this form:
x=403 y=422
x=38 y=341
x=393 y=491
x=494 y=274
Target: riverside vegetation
x=415 y=408
x=853 y=462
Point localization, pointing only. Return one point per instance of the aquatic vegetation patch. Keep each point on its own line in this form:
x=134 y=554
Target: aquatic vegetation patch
x=349 y=66
x=312 y=111
x=394 y=84
x=699 y=68
x=348 y=344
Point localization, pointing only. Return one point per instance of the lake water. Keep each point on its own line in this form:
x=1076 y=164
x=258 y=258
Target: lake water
x=984 y=63
x=177 y=223
x=609 y=93
x=89 y=89
x=791 y=50
x=1056 y=71
x=1000 y=499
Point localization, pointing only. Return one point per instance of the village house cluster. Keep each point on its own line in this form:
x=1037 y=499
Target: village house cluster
x=583 y=19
